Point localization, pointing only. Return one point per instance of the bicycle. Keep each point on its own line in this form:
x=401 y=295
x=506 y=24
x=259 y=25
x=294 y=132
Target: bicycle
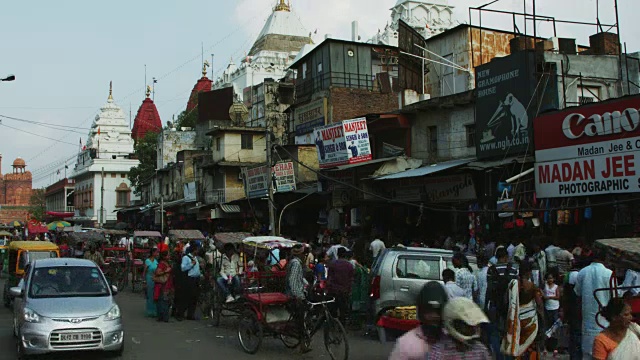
x=255 y=323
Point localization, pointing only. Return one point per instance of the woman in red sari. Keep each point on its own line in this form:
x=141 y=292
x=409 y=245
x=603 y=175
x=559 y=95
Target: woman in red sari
x=163 y=291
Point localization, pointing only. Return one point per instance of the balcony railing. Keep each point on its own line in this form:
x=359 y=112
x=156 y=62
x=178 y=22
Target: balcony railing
x=71 y=209
x=306 y=87
x=222 y=196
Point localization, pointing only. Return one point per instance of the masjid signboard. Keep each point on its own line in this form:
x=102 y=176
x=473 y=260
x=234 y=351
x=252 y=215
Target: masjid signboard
x=343 y=143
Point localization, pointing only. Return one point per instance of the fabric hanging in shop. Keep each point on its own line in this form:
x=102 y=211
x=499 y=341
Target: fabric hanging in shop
x=333 y=220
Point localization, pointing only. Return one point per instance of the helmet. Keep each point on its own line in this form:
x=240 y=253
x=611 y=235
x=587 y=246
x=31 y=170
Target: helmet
x=432 y=297
x=461 y=316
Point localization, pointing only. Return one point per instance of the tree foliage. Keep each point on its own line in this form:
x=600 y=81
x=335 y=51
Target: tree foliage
x=187 y=119
x=37 y=204
x=147 y=153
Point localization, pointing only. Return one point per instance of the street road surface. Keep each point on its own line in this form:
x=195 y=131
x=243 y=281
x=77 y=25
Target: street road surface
x=146 y=339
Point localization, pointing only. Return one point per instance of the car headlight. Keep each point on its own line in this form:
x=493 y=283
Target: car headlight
x=31 y=316
x=113 y=314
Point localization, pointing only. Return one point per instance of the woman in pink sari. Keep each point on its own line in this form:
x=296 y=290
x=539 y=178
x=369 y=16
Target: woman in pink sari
x=619 y=341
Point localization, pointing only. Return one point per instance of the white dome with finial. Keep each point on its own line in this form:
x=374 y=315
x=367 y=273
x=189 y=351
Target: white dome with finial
x=110 y=130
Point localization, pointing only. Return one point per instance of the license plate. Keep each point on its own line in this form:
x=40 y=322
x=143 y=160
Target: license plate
x=76 y=337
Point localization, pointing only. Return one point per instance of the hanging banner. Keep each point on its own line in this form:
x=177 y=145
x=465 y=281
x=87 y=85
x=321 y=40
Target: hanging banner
x=285 y=177
x=255 y=181
x=343 y=143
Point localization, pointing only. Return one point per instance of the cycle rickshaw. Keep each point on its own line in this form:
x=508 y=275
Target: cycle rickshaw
x=211 y=300
x=268 y=311
x=622 y=254
x=5 y=237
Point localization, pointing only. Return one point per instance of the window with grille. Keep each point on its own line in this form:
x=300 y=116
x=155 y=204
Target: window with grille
x=123 y=197
x=471 y=135
x=433 y=139
x=246 y=142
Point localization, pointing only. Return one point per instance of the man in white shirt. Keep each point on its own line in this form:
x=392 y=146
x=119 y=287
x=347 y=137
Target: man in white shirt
x=376 y=247
x=453 y=290
x=550 y=252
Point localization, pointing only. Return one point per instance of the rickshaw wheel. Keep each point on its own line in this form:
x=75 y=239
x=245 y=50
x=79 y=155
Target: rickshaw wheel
x=250 y=332
x=215 y=307
x=335 y=337
x=290 y=342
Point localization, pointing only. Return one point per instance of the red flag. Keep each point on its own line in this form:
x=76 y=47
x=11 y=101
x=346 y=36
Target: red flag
x=98 y=131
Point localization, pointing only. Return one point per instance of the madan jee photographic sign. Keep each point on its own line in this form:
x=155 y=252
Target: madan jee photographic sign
x=589 y=150
x=343 y=143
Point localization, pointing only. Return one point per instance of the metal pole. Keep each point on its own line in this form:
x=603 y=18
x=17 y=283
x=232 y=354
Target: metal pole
x=212 y=79
x=102 y=199
x=626 y=65
x=272 y=213
x=161 y=215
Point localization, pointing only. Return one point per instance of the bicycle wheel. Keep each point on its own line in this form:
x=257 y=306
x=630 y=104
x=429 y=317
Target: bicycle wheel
x=215 y=307
x=250 y=332
x=335 y=339
x=290 y=342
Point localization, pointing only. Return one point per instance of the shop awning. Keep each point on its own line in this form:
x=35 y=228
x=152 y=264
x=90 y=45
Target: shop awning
x=132 y=208
x=170 y=204
x=230 y=208
x=426 y=170
x=482 y=165
x=351 y=166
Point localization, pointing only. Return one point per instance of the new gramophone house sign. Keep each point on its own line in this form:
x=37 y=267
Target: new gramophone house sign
x=505 y=106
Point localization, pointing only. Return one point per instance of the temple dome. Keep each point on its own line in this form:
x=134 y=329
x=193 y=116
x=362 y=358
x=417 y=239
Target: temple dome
x=147 y=119
x=19 y=162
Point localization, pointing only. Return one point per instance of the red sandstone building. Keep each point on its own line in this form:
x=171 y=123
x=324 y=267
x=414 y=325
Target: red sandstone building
x=15 y=192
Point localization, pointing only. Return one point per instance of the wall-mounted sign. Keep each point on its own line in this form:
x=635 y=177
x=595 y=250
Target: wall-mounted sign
x=190 y=192
x=589 y=150
x=309 y=116
x=450 y=188
x=504 y=106
x=343 y=143
x=255 y=181
x=285 y=176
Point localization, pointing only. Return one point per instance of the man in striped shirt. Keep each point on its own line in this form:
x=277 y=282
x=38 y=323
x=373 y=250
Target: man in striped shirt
x=295 y=284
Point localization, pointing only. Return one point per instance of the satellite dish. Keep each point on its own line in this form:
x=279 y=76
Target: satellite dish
x=238 y=113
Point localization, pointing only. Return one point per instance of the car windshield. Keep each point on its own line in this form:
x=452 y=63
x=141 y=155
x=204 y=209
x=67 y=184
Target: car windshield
x=31 y=255
x=67 y=281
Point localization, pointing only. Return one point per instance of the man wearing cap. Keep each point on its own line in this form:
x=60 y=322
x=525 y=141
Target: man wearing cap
x=415 y=344
x=462 y=319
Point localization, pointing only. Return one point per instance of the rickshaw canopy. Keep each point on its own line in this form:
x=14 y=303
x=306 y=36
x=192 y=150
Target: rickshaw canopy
x=5 y=233
x=88 y=236
x=622 y=251
x=269 y=242
x=186 y=234
x=33 y=245
x=147 y=234
x=231 y=237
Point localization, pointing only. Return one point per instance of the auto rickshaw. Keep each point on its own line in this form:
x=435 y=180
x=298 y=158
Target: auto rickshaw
x=21 y=253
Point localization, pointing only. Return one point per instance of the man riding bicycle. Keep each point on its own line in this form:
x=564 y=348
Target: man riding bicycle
x=295 y=286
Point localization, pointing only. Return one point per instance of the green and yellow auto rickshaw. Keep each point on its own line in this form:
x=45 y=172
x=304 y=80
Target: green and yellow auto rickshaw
x=20 y=254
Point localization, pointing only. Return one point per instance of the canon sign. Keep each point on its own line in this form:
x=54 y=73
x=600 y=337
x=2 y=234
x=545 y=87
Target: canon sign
x=577 y=125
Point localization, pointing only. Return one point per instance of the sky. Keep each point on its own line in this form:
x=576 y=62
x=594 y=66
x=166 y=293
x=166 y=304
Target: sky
x=64 y=53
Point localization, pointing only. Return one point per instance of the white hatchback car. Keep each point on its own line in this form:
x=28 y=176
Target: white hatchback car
x=66 y=304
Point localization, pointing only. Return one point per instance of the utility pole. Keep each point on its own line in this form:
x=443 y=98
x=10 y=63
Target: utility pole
x=161 y=215
x=102 y=199
x=272 y=210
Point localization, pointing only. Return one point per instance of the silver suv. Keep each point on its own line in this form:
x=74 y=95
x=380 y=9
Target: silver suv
x=399 y=273
x=65 y=305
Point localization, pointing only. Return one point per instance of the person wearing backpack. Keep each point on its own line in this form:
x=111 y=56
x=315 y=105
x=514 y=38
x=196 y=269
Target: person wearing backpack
x=496 y=305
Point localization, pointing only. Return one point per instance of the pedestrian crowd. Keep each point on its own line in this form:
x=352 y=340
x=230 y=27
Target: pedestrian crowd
x=530 y=297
